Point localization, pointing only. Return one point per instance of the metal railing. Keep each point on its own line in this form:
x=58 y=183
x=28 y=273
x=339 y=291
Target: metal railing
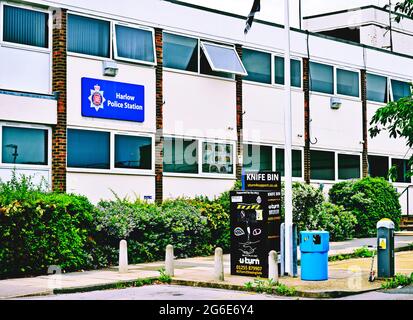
x=407 y=192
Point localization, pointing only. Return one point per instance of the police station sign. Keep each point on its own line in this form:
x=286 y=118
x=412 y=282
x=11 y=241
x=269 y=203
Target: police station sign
x=113 y=100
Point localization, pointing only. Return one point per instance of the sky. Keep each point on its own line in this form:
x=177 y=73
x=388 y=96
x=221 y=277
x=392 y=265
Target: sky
x=273 y=10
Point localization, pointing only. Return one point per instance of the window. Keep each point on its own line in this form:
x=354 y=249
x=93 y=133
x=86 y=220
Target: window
x=258 y=65
x=348 y=83
x=376 y=88
x=217 y=158
x=88 y=36
x=134 y=44
x=400 y=89
x=25 y=26
x=223 y=59
x=378 y=166
x=88 y=149
x=321 y=78
x=279 y=71
x=180 y=52
x=348 y=166
x=180 y=155
x=24 y=146
x=402 y=167
x=133 y=152
x=297 y=162
x=322 y=165
x=257 y=158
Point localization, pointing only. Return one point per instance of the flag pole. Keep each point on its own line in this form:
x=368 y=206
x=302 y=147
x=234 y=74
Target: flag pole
x=288 y=146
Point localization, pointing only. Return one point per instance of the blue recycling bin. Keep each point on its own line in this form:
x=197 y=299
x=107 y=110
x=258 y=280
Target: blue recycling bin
x=314 y=247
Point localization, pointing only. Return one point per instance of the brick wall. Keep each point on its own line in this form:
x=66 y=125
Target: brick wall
x=159 y=118
x=240 y=140
x=365 y=165
x=59 y=85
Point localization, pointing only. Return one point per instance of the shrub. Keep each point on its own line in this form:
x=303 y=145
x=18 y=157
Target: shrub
x=218 y=222
x=307 y=205
x=370 y=200
x=39 y=229
x=149 y=228
x=338 y=222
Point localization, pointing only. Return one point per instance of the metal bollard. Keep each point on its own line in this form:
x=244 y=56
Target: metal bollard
x=169 y=260
x=273 y=266
x=123 y=256
x=219 y=265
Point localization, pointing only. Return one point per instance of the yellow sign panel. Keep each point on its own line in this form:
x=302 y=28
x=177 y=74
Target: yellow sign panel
x=382 y=243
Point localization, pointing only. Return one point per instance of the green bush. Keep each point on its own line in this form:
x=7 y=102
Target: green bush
x=338 y=222
x=370 y=200
x=149 y=228
x=307 y=205
x=39 y=229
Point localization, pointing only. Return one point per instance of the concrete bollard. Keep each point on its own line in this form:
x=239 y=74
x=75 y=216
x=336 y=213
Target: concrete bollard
x=169 y=260
x=219 y=265
x=123 y=256
x=273 y=266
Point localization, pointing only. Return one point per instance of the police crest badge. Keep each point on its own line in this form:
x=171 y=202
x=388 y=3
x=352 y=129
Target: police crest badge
x=96 y=98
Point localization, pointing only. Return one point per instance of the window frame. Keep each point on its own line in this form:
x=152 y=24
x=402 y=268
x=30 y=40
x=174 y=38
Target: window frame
x=334 y=93
x=8 y=44
x=180 y=174
x=115 y=43
x=198 y=52
x=344 y=96
x=271 y=71
x=273 y=153
x=90 y=56
x=210 y=60
x=280 y=55
x=335 y=167
x=388 y=87
x=391 y=158
x=45 y=167
x=391 y=96
x=112 y=169
x=347 y=154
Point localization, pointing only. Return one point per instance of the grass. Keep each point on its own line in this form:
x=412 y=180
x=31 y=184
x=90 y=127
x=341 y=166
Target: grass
x=271 y=287
x=399 y=280
x=363 y=252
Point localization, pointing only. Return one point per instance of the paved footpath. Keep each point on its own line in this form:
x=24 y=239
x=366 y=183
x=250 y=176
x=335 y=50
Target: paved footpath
x=349 y=276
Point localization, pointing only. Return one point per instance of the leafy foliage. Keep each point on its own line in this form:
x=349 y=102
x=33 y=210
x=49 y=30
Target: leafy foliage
x=370 y=200
x=400 y=280
x=40 y=229
x=404 y=7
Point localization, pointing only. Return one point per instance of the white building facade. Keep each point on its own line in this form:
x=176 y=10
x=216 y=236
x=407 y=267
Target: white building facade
x=162 y=99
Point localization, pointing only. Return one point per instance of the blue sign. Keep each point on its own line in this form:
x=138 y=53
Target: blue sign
x=113 y=100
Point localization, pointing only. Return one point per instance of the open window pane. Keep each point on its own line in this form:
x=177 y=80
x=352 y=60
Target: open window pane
x=24 y=146
x=297 y=162
x=217 y=158
x=257 y=158
x=348 y=83
x=223 y=59
x=376 y=88
x=180 y=52
x=88 y=36
x=378 y=166
x=134 y=44
x=400 y=89
x=279 y=71
x=206 y=68
x=403 y=168
x=321 y=78
x=25 y=26
x=348 y=166
x=180 y=155
x=258 y=65
x=133 y=152
x=88 y=149
x=322 y=165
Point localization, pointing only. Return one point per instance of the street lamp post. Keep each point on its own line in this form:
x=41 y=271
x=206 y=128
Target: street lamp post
x=288 y=260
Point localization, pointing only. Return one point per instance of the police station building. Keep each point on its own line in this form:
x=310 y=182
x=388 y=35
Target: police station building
x=162 y=99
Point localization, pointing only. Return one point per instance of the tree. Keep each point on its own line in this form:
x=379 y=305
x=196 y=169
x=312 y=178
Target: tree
x=397 y=116
x=403 y=8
